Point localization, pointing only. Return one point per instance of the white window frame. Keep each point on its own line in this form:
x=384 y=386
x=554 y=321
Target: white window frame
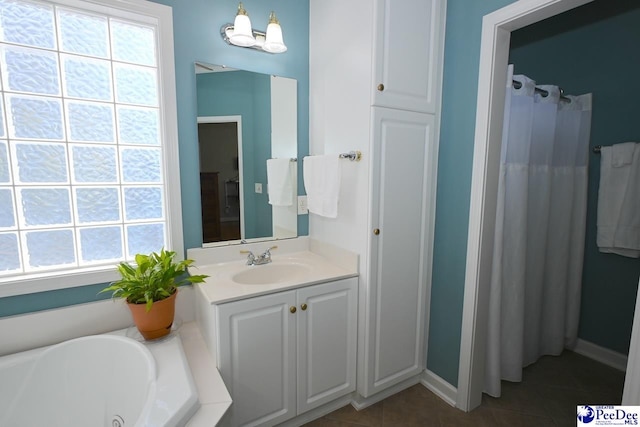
x=161 y=17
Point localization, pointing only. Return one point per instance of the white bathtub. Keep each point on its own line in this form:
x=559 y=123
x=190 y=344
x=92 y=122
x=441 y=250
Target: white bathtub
x=103 y=380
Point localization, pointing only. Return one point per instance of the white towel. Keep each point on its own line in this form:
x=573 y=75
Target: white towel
x=322 y=184
x=279 y=182
x=619 y=203
x=622 y=154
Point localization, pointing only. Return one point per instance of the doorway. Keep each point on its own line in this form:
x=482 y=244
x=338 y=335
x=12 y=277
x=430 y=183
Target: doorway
x=220 y=152
x=496 y=38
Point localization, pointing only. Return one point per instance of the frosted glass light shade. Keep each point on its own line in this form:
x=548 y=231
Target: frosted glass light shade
x=242 y=33
x=274 y=42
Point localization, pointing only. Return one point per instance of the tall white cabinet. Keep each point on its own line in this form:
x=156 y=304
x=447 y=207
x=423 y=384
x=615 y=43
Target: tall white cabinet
x=398 y=248
x=375 y=86
x=407 y=54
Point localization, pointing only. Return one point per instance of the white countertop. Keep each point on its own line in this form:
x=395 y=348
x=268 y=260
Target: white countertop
x=219 y=287
x=321 y=262
x=212 y=392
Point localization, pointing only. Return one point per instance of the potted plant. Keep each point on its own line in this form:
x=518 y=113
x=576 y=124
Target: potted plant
x=149 y=287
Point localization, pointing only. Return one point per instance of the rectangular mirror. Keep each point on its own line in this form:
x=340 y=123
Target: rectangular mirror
x=247 y=139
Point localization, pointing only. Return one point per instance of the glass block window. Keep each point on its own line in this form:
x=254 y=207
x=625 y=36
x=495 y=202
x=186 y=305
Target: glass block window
x=82 y=171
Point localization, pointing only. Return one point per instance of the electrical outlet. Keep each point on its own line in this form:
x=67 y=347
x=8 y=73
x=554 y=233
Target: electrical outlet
x=302 y=205
x=258 y=188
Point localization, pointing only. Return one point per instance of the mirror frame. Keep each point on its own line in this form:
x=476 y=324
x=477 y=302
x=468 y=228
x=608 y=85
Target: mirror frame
x=238 y=119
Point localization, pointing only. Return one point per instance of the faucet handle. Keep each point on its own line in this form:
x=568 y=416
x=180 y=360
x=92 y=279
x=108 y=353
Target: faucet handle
x=250 y=256
x=267 y=252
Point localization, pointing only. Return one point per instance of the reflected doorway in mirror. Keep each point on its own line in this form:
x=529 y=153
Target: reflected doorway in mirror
x=220 y=149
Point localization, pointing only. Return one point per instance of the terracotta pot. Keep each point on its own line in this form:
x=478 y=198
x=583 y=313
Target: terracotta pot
x=156 y=322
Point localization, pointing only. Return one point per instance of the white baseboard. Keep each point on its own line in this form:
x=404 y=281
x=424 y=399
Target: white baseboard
x=440 y=387
x=359 y=402
x=603 y=355
x=317 y=412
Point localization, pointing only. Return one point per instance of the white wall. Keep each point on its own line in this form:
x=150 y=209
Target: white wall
x=284 y=137
x=346 y=70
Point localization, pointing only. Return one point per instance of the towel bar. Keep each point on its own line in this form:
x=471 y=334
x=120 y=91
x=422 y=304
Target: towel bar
x=352 y=155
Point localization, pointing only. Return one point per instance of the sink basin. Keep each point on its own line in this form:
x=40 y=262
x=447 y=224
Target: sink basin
x=270 y=274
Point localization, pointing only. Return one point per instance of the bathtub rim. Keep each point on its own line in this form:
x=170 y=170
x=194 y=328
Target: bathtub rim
x=174 y=405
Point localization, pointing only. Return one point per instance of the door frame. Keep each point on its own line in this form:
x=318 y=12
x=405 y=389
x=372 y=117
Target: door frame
x=238 y=121
x=494 y=54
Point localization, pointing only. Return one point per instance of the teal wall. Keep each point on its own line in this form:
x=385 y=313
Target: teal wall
x=594 y=49
x=457 y=127
x=248 y=95
x=610 y=281
x=196 y=26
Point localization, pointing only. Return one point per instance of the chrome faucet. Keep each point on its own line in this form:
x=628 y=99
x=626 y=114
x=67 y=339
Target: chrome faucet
x=251 y=258
x=265 y=258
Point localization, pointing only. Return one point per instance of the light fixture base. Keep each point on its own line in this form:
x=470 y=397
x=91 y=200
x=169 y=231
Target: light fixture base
x=227 y=30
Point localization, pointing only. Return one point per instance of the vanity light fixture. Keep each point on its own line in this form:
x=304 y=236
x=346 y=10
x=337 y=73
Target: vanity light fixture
x=273 y=41
x=241 y=34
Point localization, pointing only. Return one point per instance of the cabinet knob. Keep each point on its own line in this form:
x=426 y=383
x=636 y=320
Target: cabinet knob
x=292 y=309
x=376 y=231
x=380 y=87
x=303 y=307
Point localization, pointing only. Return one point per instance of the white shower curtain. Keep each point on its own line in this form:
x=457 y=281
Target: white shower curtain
x=534 y=301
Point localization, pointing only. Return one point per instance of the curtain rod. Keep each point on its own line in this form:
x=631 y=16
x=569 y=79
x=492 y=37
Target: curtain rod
x=542 y=92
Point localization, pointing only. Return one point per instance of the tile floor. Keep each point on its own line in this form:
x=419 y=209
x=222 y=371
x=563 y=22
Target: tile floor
x=547 y=397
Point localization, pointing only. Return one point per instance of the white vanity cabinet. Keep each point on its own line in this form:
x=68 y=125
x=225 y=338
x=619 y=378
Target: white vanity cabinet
x=283 y=354
x=375 y=86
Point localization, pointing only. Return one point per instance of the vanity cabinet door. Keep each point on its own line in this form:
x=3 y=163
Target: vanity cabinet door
x=257 y=338
x=327 y=342
x=407 y=43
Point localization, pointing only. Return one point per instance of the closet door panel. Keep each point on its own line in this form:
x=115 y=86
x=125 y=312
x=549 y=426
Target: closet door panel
x=399 y=215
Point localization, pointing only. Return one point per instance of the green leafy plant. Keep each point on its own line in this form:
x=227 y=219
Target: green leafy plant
x=151 y=278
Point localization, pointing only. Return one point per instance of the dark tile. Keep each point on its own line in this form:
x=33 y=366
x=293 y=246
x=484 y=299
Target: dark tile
x=509 y=418
x=551 y=390
x=369 y=417
x=592 y=375
x=518 y=397
x=479 y=417
x=415 y=406
x=552 y=370
x=561 y=403
x=603 y=396
x=565 y=421
x=326 y=422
